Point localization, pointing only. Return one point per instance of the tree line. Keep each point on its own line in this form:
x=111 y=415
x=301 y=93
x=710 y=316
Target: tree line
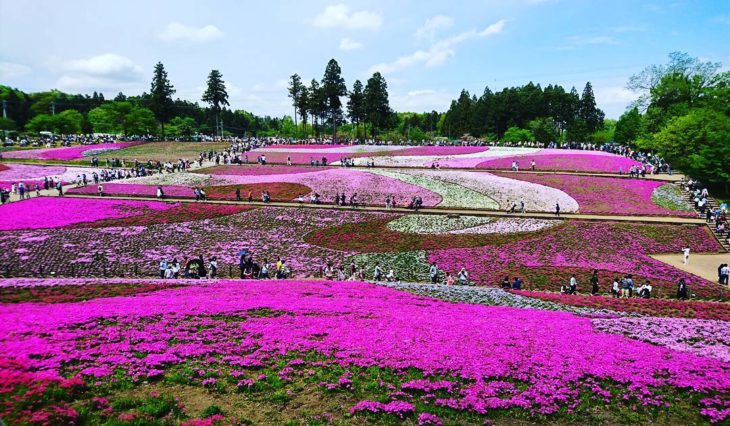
x=151 y=113
x=683 y=114
x=368 y=107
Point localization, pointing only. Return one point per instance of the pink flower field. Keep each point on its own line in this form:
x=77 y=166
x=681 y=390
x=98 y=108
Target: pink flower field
x=75 y=152
x=606 y=195
x=564 y=160
x=136 y=190
x=57 y=212
x=367 y=353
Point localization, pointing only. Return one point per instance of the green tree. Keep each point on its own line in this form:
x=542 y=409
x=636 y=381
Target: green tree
x=377 y=105
x=699 y=144
x=303 y=106
x=587 y=110
x=333 y=87
x=356 y=105
x=216 y=96
x=515 y=134
x=40 y=123
x=544 y=129
x=68 y=122
x=161 y=92
x=139 y=121
x=295 y=93
x=184 y=126
x=628 y=127
x=7 y=124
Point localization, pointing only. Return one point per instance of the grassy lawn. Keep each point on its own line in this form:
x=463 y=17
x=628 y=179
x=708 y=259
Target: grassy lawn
x=165 y=151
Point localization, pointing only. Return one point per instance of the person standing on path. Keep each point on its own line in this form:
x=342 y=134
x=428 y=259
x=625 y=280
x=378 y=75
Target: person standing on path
x=573 y=285
x=685 y=255
x=433 y=272
x=557 y=209
x=594 y=283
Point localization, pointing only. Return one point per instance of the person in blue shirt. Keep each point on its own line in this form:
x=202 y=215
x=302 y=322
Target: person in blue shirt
x=517 y=284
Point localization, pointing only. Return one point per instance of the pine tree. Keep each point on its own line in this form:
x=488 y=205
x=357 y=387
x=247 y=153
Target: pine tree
x=377 y=105
x=356 y=104
x=333 y=87
x=295 y=93
x=216 y=96
x=587 y=111
x=161 y=92
x=303 y=106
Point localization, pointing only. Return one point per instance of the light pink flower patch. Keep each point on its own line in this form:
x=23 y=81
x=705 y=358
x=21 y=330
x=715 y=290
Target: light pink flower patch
x=67 y=153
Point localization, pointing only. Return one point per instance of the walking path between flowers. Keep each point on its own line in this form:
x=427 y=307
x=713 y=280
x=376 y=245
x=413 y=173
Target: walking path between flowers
x=701 y=265
x=676 y=177
x=434 y=211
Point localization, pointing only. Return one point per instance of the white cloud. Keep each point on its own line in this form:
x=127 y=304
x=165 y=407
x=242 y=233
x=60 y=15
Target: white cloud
x=176 y=31
x=105 y=65
x=428 y=30
x=349 y=44
x=340 y=16
x=421 y=100
x=439 y=52
x=105 y=72
x=613 y=100
x=10 y=70
x=421 y=92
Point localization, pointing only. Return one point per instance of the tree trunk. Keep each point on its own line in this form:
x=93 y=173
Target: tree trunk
x=334 y=128
x=296 y=127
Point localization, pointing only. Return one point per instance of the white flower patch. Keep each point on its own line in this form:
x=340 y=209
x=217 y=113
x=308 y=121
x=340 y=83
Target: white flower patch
x=436 y=224
x=181 y=178
x=509 y=226
x=454 y=160
x=452 y=195
x=504 y=190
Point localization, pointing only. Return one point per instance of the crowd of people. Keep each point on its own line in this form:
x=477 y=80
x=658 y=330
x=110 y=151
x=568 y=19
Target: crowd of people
x=195 y=268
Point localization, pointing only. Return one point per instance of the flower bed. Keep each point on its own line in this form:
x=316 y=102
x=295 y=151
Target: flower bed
x=543 y=259
x=135 y=190
x=371 y=188
x=671 y=197
x=76 y=293
x=707 y=338
x=279 y=191
x=56 y=212
x=389 y=353
x=447 y=159
x=652 y=307
x=607 y=195
x=471 y=189
x=68 y=153
x=422 y=224
x=564 y=160
x=614 y=249
x=135 y=245
x=254 y=170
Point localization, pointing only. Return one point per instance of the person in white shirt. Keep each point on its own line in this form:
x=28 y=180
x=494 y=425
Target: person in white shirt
x=685 y=253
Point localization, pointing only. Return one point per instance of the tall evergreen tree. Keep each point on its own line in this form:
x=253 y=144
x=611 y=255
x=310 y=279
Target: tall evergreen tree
x=161 y=92
x=333 y=87
x=587 y=110
x=356 y=104
x=216 y=96
x=377 y=105
x=295 y=93
x=317 y=106
x=303 y=106
x=628 y=127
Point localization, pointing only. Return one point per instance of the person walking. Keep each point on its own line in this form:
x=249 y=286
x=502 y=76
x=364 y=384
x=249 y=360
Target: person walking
x=685 y=254
x=594 y=283
x=433 y=272
x=557 y=209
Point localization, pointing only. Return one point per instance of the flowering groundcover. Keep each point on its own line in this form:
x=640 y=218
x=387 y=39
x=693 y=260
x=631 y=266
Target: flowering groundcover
x=68 y=153
x=564 y=160
x=596 y=194
x=374 y=352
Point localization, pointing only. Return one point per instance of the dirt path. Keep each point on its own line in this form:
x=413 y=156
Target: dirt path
x=702 y=265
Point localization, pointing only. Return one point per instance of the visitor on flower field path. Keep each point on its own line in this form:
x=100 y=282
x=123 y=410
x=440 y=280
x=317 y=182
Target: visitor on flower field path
x=594 y=283
x=723 y=273
x=463 y=277
x=433 y=272
x=682 y=290
x=685 y=255
x=615 y=288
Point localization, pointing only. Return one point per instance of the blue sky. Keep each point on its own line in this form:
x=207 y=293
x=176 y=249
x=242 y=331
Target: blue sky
x=427 y=50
